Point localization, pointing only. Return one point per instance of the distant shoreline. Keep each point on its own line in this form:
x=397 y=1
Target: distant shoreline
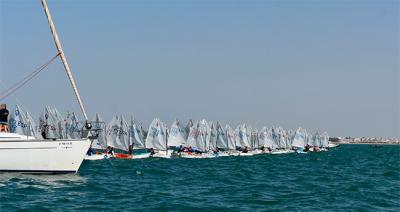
x=366 y=143
x=364 y=140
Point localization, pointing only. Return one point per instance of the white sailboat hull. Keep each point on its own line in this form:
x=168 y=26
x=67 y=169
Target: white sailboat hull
x=281 y=151
x=234 y=153
x=194 y=155
x=257 y=152
x=100 y=156
x=223 y=154
x=141 y=156
x=246 y=154
x=332 y=145
x=162 y=154
x=42 y=156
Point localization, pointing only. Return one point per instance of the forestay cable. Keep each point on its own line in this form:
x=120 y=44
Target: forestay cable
x=22 y=82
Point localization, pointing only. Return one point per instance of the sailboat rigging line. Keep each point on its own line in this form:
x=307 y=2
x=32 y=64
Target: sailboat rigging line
x=26 y=79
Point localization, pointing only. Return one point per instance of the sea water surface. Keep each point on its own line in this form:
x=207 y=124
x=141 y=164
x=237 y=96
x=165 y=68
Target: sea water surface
x=350 y=177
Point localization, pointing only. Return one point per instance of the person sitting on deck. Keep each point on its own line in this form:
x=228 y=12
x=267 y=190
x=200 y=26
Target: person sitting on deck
x=4 y=118
x=152 y=152
x=109 y=150
x=180 y=149
x=90 y=151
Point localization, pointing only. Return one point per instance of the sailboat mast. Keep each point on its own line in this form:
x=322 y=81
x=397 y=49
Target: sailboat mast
x=166 y=141
x=62 y=57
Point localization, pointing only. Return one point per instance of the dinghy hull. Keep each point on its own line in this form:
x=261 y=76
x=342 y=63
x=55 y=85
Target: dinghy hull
x=141 y=156
x=99 y=156
x=281 y=151
x=195 y=155
x=162 y=154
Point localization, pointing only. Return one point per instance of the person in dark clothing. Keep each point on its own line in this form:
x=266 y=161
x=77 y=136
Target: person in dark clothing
x=3 y=114
x=3 y=118
x=109 y=150
x=44 y=135
x=90 y=151
x=180 y=149
x=152 y=152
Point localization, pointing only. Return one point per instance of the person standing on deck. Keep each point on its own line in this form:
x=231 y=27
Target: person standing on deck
x=4 y=118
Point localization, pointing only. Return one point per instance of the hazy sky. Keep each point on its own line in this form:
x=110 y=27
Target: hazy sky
x=324 y=65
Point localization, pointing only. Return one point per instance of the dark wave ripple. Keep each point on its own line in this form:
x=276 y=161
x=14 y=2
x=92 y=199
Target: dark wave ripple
x=351 y=177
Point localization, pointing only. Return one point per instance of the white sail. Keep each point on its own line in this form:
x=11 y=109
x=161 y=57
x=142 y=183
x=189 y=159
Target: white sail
x=263 y=137
x=275 y=138
x=59 y=122
x=205 y=133
x=286 y=139
x=318 y=139
x=117 y=134
x=255 y=143
x=267 y=138
x=309 y=140
x=230 y=135
x=72 y=127
x=17 y=122
x=282 y=138
x=22 y=123
x=314 y=140
x=221 y=138
x=213 y=136
x=299 y=139
x=291 y=135
x=177 y=134
x=195 y=139
x=325 y=140
x=48 y=124
x=242 y=136
x=136 y=135
x=33 y=130
x=156 y=137
x=99 y=126
x=187 y=128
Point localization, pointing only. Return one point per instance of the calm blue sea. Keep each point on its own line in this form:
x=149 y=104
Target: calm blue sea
x=350 y=177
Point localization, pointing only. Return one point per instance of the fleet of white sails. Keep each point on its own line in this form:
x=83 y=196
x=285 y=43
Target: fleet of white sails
x=201 y=137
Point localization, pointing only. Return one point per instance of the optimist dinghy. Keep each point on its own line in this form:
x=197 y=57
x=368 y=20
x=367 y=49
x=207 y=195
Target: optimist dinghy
x=99 y=145
x=234 y=153
x=281 y=151
x=162 y=154
x=301 y=151
x=332 y=145
x=141 y=155
x=249 y=153
x=223 y=154
x=157 y=141
x=190 y=155
x=198 y=155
